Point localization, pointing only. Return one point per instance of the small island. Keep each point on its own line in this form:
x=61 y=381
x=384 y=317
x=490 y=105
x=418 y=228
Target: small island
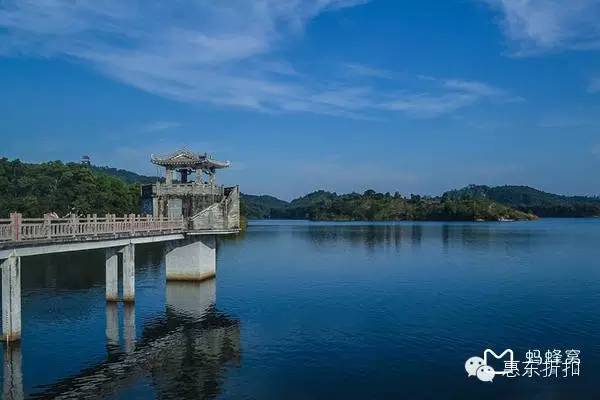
x=373 y=206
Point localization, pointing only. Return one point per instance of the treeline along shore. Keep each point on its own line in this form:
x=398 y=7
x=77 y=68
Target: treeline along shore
x=63 y=188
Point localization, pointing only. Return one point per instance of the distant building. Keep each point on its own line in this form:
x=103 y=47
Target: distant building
x=201 y=201
x=85 y=160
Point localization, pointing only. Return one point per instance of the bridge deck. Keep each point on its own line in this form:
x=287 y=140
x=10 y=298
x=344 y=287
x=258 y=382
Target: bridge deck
x=34 y=236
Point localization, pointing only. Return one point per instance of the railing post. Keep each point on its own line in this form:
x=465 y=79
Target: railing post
x=107 y=226
x=74 y=224
x=95 y=224
x=48 y=226
x=132 y=223
x=111 y=224
x=15 y=222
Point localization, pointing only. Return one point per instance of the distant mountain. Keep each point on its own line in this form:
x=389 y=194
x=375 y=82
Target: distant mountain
x=260 y=207
x=124 y=175
x=531 y=200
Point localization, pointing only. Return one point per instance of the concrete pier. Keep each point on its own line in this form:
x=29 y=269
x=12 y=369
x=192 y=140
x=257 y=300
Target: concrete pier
x=112 y=274
x=191 y=259
x=11 y=299
x=128 y=272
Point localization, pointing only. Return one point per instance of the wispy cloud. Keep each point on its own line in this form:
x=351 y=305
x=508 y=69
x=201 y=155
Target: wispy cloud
x=159 y=126
x=447 y=96
x=538 y=26
x=594 y=86
x=570 y=118
x=222 y=53
x=475 y=88
x=596 y=150
x=368 y=71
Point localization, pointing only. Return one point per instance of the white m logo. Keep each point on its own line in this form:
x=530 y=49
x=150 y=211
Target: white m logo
x=499 y=357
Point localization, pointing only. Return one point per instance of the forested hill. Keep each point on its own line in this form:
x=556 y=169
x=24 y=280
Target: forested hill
x=124 y=175
x=373 y=206
x=35 y=189
x=260 y=207
x=528 y=199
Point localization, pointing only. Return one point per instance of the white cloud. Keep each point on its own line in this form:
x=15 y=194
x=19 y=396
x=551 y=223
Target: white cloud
x=206 y=51
x=475 y=88
x=222 y=53
x=537 y=26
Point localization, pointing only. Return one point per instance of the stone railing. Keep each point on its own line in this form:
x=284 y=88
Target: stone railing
x=181 y=189
x=17 y=228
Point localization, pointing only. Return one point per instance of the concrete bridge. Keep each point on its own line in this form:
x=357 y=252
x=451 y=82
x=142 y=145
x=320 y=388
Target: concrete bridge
x=188 y=215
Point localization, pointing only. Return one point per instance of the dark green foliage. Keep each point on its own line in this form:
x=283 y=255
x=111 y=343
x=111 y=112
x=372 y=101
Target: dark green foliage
x=35 y=189
x=531 y=200
x=373 y=206
x=313 y=198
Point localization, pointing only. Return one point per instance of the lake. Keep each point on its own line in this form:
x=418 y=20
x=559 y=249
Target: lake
x=303 y=310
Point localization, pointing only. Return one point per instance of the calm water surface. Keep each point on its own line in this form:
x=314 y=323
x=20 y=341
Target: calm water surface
x=319 y=311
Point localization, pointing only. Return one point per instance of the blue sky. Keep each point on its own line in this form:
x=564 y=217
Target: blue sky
x=344 y=95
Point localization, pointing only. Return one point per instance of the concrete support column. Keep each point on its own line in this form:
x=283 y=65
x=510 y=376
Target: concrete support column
x=112 y=274
x=11 y=299
x=191 y=259
x=128 y=272
x=13 y=373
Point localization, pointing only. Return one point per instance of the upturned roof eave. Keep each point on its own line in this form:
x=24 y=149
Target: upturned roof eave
x=198 y=163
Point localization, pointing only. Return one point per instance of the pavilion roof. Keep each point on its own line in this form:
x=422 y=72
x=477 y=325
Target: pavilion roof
x=186 y=158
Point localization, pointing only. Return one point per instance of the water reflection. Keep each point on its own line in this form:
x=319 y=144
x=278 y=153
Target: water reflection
x=191 y=299
x=13 y=373
x=374 y=237
x=129 y=327
x=191 y=343
x=112 y=327
x=206 y=346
